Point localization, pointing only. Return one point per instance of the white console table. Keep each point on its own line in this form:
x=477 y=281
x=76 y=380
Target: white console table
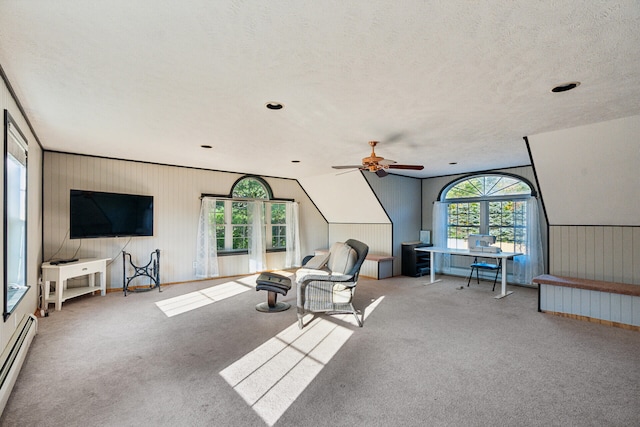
x=61 y=272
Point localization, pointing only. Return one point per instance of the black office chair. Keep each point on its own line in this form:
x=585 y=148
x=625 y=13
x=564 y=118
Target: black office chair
x=477 y=266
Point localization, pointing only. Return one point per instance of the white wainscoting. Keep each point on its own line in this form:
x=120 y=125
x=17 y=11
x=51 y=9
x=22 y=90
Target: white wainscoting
x=623 y=309
x=376 y=236
x=606 y=253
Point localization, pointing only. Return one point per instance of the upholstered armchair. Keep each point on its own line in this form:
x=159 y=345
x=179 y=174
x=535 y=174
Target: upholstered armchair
x=327 y=282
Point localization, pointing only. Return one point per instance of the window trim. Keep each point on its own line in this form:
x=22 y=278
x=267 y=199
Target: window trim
x=451 y=184
x=255 y=177
x=12 y=130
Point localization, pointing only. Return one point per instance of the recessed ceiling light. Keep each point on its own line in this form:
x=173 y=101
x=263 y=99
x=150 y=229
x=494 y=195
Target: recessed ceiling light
x=274 y=106
x=206 y=146
x=565 y=87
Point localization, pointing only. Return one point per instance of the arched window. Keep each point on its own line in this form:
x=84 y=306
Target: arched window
x=233 y=227
x=251 y=187
x=494 y=204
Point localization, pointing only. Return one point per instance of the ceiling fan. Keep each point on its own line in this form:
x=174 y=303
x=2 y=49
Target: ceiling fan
x=378 y=164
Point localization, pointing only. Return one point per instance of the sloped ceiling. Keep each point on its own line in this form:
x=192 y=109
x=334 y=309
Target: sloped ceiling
x=436 y=82
x=589 y=174
x=345 y=198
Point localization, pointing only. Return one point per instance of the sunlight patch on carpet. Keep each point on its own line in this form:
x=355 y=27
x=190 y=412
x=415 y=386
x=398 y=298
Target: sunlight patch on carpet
x=271 y=377
x=187 y=302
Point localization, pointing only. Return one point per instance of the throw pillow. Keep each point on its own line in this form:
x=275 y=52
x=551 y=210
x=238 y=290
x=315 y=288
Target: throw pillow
x=317 y=262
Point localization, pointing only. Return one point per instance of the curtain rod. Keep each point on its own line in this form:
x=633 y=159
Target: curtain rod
x=243 y=199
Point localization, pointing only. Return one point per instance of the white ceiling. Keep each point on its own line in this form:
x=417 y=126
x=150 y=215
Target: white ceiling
x=435 y=81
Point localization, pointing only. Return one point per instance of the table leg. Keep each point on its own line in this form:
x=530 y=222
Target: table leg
x=103 y=282
x=92 y=281
x=45 y=295
x=504 y=282
x=60 y=286
x=432 y=268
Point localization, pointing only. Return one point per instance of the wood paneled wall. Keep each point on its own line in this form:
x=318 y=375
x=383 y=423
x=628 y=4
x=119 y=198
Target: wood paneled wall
x=401 y=199
x=595 y=252
x=176 y=192
x=376 y=236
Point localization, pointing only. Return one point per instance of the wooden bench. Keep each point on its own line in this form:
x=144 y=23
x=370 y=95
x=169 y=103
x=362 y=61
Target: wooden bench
x=608 y=303
x=382 y=265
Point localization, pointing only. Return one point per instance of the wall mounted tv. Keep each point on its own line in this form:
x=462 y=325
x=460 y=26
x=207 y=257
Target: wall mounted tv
x=99 y=214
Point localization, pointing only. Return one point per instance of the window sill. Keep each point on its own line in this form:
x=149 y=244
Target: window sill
x=246 y=252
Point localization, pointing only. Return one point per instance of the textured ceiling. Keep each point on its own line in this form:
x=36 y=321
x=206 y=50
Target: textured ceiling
x=435 y=81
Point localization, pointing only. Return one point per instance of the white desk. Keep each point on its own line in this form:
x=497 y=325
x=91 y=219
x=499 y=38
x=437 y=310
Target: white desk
x=61 y=272
x=466 y=252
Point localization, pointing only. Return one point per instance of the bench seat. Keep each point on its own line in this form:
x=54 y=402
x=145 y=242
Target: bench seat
x=610 y=303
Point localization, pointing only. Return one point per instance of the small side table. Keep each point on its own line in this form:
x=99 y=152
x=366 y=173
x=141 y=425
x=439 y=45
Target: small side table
x=59 y=272
x=274 y=284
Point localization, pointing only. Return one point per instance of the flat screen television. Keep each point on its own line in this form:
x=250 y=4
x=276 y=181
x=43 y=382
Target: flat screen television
x=98 y=214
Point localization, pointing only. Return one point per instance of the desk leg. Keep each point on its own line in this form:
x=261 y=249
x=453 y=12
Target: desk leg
x=432 y=268
x=504 y=282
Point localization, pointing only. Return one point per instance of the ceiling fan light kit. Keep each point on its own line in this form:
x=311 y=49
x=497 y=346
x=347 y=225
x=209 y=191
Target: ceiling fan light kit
x=377 y=164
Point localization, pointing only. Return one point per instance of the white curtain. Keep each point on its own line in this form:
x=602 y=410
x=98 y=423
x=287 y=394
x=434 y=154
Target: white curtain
x=442 y=261
x=292 y=258
x=206 y=252
x=257 y=238
x=526 y=267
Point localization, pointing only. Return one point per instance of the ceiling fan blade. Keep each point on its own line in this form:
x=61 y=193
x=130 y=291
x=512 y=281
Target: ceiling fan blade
x=411 y=167
x=347 y=167
x=381 y=173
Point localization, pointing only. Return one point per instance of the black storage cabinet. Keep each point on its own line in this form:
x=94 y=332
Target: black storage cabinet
x=415 y=263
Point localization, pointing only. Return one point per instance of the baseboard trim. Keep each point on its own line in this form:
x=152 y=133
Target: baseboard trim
x=595 y=320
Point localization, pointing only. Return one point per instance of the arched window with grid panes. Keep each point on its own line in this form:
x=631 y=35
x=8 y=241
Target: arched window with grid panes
x=232 y=217
x=494 y=204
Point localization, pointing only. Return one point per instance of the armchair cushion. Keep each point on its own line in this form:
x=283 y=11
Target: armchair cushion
x=317 y=262
x=302 y=273
x=342 y=294
x=343 y=258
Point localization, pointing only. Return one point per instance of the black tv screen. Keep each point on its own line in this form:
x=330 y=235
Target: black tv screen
x=99 y=214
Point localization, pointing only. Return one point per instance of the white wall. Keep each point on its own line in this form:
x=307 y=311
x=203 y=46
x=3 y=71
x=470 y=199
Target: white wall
x=590 y=175
x=176 y=192
x=353 y=212
x=345 y=198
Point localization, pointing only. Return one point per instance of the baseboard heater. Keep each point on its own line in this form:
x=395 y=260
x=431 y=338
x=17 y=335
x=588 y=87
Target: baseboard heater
x=14 y=355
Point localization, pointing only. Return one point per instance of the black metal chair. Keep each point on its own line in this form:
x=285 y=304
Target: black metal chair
x=477 y=266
